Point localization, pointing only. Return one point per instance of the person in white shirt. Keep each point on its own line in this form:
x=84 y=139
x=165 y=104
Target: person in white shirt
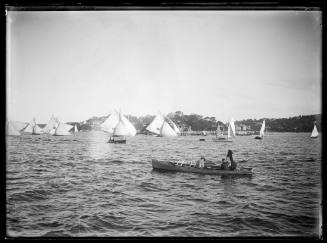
x=200 y=162
x=201 y=165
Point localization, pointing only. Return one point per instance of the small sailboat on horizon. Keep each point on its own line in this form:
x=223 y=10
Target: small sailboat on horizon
x=51 y=126
x=262 y=131
x=230 y=132
x=15 y=128
x=314 y=133
x=62 y=129
x=32 y=128
x=11 y=129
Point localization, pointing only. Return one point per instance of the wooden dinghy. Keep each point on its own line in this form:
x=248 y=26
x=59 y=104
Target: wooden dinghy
x=188 y=167
x=222 y=140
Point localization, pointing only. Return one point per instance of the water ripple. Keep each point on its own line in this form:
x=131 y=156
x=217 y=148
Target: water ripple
x=83 y=186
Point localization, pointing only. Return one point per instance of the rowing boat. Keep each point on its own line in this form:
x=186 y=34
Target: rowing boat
x=188 y=167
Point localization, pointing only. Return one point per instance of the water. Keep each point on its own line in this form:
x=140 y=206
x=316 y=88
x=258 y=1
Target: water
x=82 y=186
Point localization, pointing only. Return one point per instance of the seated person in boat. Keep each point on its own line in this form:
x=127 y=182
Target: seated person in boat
x=200 y=163
x=229 y=157
x=224 y=165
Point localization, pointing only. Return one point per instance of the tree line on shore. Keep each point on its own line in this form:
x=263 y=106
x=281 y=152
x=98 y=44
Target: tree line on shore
x=197 y=122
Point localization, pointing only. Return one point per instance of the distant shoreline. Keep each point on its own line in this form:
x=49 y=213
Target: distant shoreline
x=197 y=123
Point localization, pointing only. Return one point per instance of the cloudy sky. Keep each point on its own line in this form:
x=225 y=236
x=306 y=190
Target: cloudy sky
x=241 y=64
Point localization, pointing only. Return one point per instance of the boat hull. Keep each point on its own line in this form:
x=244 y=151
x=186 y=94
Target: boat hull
x=257 y=137
x=170 y=166
x=224 y=140
x=117 y=141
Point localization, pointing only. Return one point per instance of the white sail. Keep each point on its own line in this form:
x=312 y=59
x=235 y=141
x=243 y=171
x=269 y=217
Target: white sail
x=228 y=131
x=110 y=123
x=167 y=131
x=156 y=124
x=122 y=128
x=52 y=131
x=130 y=126
x=50 y=125
x=11 y=130
x=176 y=129
x=232 y=125
x=75 y=128
x=262 y=130
x=314 y=133
x=37 y=130
x=28 y=128
x=63 y=129
x=18 y=125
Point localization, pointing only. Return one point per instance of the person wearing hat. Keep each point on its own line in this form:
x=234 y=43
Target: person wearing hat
x=229 y=156
x=200 y=163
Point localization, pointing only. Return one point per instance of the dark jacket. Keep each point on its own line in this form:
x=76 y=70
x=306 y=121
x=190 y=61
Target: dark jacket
x=233 y=164
x=224 y=165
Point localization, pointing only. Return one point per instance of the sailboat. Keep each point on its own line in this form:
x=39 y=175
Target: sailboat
x=62 y=129
x=175 y=128
x=18 y=125
x=110 y=123
x=11 y=129
x=160 y=126
x=29 y=128
x=230 y=132
x=32 y=128
x=156 y=124
x=37 y=130
x=314 y=133
x=75 y=129
x=119 y=127
x=167 y=131
x=51 y=125
x=262 y=130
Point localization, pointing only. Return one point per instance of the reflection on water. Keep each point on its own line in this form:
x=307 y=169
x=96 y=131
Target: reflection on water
x=83 y=186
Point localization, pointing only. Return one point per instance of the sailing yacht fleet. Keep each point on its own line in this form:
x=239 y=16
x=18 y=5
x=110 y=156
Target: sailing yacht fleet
x=119 y=128
x=53 y=127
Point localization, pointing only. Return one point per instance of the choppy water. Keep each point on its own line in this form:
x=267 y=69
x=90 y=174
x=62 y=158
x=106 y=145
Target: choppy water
x=82 y=186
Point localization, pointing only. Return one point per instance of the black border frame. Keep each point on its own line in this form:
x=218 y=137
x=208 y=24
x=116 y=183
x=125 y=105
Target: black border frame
x=298 y=5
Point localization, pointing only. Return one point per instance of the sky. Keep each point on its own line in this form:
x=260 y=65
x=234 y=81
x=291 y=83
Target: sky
x=240 y=64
